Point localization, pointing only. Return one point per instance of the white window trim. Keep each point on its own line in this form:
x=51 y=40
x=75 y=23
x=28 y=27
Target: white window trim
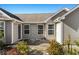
x=26 y=29
x=41 y=29
x=51 y=29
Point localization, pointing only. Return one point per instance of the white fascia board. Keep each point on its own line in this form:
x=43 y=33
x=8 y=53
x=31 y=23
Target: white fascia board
x=70 y=11
x=57 y=13
x=57 y=20
x=5 y=14
x=4 y=19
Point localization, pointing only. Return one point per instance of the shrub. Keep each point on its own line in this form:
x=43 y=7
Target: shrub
x=1 y=37
x=77 y=42
x=1 y=34
x=1 y=44
x=55 y=48
x=68 y=42
x=22 y=47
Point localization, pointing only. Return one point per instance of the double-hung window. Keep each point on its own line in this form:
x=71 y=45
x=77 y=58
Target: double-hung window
x=40 y=29
x=50 y=29
x=1 y=29
x=26 y=29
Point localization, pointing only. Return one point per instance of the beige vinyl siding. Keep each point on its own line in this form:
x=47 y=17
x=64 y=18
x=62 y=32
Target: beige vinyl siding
x=15 y=32
x=71 y=25
x=8 y=32
x=2 y=29
x=33 y=32
x=25 y=36
x=52 y=36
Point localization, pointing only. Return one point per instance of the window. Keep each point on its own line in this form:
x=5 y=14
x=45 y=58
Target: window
x=1 y=25
x=1 y=29
x=40 y=29
x=19 y=31
x=51 y=29
x=26 y=29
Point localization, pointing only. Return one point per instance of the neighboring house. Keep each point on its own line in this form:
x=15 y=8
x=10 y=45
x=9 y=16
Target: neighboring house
x=38 y=26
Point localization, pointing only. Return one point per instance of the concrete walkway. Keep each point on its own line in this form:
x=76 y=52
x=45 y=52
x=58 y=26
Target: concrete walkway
x=42 y=47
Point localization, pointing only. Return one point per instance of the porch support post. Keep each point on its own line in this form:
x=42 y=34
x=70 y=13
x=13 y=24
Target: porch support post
x=12 y=32
x=21 y=31
x=62 y=32
x=59 y=32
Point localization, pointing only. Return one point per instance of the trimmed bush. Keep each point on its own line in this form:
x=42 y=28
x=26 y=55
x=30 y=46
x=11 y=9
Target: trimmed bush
x=55 y=48
x=22 y=47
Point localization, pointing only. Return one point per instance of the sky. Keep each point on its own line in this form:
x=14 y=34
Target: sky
x=34 y=8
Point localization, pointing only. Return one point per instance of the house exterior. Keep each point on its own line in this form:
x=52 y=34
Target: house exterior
x=39 y=26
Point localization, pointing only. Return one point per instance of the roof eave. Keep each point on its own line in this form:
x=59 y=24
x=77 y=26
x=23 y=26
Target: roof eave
x=70 y=11
x=17 y=20
x=66 y=9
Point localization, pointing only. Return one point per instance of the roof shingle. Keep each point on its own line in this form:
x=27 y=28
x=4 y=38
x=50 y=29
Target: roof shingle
x=34 y=18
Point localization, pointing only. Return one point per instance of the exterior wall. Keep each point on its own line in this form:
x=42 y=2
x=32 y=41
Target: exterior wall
x=8 y=32
x=11 y=34
x=46 y=30
x=15 y=32
x=51 y=22
x=71 y=25
x=33 y=34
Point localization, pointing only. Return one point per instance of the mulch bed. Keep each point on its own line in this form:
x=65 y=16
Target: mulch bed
x=11 y=51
